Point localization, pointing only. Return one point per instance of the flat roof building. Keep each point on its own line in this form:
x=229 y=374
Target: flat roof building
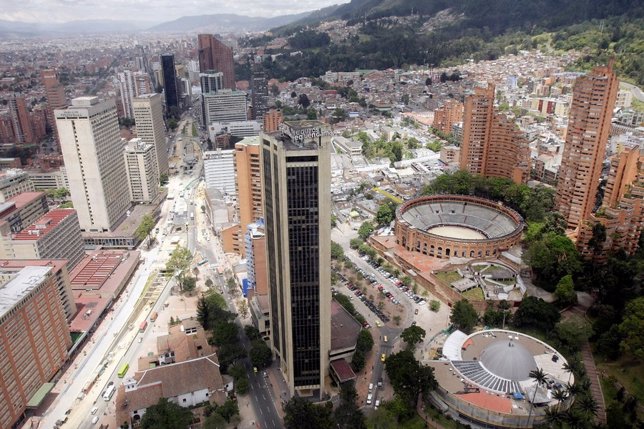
x=55 y=235
x=14 y=182
x=219 y=170
x=21 y=210
x=60 y=273
x=296 y=182
x=92 y=149
x=34 y=337
x=148 y=114
x=141 y=168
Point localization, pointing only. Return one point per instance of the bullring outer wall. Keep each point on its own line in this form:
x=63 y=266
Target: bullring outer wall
x=421 y=241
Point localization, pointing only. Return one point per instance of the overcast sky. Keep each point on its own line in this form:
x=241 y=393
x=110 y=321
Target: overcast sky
x=149 y=10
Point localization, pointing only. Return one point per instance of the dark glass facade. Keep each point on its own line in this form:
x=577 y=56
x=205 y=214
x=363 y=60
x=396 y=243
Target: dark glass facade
x=303 y=237
x=169 y=81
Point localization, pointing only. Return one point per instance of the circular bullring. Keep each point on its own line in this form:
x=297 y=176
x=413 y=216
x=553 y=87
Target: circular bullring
x=445 y=226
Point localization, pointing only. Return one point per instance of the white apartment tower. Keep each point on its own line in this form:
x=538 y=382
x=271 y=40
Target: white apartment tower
x=148 y=114
x=93 y=154
x=142 y=173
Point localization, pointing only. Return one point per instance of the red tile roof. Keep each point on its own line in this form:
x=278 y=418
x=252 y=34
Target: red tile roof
x=21 y=200
x=44 y=225
x=343 y=370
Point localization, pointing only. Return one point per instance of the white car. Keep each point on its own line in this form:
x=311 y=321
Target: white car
x=369 y=399
x=377 y=404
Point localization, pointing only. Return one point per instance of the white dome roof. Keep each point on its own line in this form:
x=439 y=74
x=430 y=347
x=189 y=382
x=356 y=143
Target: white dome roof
x=508 y=359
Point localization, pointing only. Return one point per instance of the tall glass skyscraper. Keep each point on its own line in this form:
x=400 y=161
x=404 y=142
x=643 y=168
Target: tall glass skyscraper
x=169 y=81
x=296 y=182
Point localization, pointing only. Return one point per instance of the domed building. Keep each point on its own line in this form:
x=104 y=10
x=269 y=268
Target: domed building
x=484 y=378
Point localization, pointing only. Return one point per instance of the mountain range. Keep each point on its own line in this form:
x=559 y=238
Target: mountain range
x=220 y=23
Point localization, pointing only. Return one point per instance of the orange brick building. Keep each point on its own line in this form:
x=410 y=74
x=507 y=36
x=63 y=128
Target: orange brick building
x=589 y=124
x=34 y=337
x=447 y=115
x=492 y=143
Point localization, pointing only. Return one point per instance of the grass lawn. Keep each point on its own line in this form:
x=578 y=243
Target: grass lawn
x=628 y=373
x=480 y=268
x=448 y=277
x=474 y=294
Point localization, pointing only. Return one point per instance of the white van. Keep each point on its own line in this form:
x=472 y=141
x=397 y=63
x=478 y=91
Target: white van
x=370 y=387
x=94 y=420
x=369 y=398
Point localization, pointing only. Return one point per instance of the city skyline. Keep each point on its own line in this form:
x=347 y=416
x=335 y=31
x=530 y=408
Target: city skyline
x=65 y=11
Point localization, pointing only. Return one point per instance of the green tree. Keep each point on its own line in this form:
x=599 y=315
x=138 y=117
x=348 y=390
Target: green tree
x=301 y=413
x=551 y=258
x=163 y=179
x=365 y=230
x=166 y=415
x=209 y=283
x=347 y=415
x=632 y=329
x=365 y=341
x=303 y=100
x=215 y=421
x=386 y=213
x=354 y=243
x=252 y=333
x=337 y=252
x=188 y=284
x=238 y=372
x=179 y=261
x=534 y=312
x=145 y=227
x=540 y=378
x=224 y=333
x=412 y=336
x=574 y=332
x=228 y=409
x=172 y=124
x=464 y=316
x=565 y=291
x=260 y=354
x=408 y=377
x=58 y=194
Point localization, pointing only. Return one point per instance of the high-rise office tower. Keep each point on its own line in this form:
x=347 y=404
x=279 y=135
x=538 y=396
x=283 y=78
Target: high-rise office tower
x=22 y=128
x=492 y=143
x=589 y=123
x=93 y=153
x=169 y=82
x=142 y=173
x=296 y=182
x=225 y=106
x=148 y=115
x=126 y=86
x=215 y=55
x=55 y=93
x=142 y=83
x=211 y=82
x=259 y=87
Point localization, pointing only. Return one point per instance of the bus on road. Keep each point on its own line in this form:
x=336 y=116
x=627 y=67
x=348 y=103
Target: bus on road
x=109 y=392
x=123 y=370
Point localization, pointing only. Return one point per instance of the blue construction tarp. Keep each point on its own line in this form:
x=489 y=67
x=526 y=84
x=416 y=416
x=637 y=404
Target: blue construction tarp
x=245 y=287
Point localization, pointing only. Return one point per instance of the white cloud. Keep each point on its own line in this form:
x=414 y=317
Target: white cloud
x=149 y=10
